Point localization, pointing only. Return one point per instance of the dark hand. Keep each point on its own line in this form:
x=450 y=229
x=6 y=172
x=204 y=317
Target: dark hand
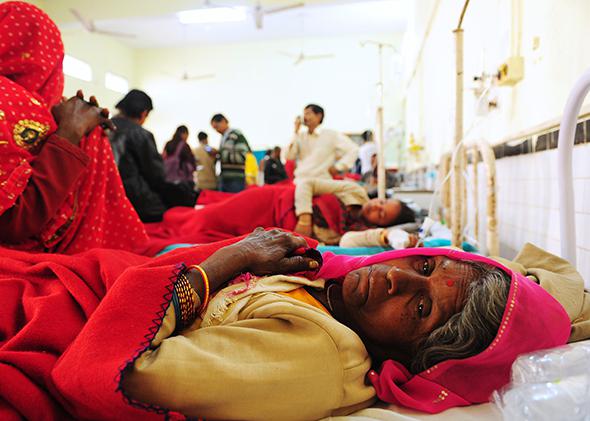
x=261 y=253
x=271 y=252
x=76 y=117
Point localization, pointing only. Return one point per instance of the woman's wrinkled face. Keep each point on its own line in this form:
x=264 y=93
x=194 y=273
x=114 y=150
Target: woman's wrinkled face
x=394 y=304
x=381 y=212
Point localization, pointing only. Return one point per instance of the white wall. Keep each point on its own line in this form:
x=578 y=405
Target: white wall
x=38 y=3
x=550 y=70
x=104 y=54
x=528 y=208
x=261 y=91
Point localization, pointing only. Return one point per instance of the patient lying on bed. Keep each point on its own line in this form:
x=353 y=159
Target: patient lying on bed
x=355 y=213
x=108 y=333
x=440 y=327
x=322 y=209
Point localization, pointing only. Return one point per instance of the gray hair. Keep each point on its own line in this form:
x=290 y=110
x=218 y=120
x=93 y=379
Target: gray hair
x=472 y=330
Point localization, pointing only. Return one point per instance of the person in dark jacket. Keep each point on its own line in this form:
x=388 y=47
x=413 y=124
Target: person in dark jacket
x=274 y=170
x=140 y=165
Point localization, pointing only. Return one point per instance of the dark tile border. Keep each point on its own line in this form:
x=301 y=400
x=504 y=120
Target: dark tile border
x=539 y=143
x=542 y=142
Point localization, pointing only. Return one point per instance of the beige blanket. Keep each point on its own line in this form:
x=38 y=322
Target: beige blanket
x=558 y=277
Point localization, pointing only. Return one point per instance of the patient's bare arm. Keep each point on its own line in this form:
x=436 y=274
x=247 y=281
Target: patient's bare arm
x=261 y=253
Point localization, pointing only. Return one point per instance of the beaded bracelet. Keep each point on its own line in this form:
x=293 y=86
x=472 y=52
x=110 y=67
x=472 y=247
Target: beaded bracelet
x=205 y=278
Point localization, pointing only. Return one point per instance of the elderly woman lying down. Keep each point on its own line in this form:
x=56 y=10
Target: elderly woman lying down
x=108 y=334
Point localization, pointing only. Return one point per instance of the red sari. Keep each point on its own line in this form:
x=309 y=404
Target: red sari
x=54 y=196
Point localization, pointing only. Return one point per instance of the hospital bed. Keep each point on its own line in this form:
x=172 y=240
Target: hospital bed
x=488 y=411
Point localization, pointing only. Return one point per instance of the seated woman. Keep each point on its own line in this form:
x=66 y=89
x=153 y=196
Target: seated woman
x=322 y=209
x=172 y=338
x=60 y=190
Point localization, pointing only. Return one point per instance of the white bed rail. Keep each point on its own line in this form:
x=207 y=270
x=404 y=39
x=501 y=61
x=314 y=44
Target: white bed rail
x=565 y=147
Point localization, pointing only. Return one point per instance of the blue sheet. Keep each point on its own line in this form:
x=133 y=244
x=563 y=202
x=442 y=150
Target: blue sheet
x=351 y=251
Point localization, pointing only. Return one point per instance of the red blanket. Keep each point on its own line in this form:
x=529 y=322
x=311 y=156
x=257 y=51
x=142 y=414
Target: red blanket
x=238 y=214
x=70 y=325
x=207 y=197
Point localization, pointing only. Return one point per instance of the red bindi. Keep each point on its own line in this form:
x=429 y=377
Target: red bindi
x=450 y=283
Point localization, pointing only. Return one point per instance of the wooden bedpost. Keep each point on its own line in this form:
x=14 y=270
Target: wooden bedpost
x=458 y=164
x=489 y=159
x=445 y=190
x=475 y=161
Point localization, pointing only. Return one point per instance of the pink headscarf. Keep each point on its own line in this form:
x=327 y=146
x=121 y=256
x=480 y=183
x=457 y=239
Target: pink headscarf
x=532 y=320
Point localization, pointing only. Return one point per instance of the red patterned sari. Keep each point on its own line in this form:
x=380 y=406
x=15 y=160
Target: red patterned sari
x=54 y=196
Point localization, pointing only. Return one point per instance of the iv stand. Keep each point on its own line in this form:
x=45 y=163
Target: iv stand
x=380 y=124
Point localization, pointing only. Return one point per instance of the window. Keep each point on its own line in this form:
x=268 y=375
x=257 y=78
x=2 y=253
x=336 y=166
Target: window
x=77 y=68
x=116 y=83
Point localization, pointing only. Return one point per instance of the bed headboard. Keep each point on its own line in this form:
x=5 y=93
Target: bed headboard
x=484 y=149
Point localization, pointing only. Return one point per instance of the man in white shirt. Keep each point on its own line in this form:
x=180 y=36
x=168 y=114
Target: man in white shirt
x=319 y=152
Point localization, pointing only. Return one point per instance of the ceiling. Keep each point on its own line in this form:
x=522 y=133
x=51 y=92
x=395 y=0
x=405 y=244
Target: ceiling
x=154 y=23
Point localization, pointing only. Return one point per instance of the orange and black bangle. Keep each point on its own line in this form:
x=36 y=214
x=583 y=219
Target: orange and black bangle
x=184 y=300
x=205 y=279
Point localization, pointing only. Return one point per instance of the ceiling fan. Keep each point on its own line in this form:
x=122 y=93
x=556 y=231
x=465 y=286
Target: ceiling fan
x=301 y=57
x=260 y=12
x=89 y=25
x=185 y=76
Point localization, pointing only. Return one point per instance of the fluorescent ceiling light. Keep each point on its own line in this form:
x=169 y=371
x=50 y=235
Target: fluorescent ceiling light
x=77 y=68
x=116 y=83
x=212 y=15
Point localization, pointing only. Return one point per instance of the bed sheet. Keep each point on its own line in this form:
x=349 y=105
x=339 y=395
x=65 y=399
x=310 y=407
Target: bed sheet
x=384 y=412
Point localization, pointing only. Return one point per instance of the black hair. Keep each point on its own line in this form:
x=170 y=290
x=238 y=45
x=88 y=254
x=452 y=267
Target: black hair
x=276 y=148
x=180 y=130
x=202 y=136
x=135 y=103
x=406 y=215
x=367 y=135
x=171 y=146
x=316 y=110
x=218 y=118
